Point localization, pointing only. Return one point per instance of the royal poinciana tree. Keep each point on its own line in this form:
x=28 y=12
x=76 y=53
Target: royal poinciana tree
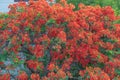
x=60 y=43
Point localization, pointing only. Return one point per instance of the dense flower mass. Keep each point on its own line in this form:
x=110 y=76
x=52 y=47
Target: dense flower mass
x=60 y=43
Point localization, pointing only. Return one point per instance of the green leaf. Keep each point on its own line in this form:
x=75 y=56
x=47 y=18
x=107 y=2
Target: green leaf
x=117 y=71
x=43 y=29
x=4 y=26
x=63 y=45
x=20 y=9
x=101 y=65
x=41 y=59
x=3 y=56
x=109 y=53
x=21 y=62
x=19 y=42
x=106 y=39
x=27 y=28
x=67 y=78
x=75 y=68
x=117 y=50
x=50 y=22
x=4 y=16
x=64 y=24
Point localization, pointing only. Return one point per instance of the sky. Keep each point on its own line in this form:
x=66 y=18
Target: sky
x=4 y=5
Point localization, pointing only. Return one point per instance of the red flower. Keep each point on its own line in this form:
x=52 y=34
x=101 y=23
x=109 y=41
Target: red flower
x=52 y=32
x=22 y=76
x=51 y=66
x=35 y=65
x=38 y=51
x=61 y=74
x=94 y=74
x=25 y=38
x=35 y=76
x=5 y=77
x=62 y=36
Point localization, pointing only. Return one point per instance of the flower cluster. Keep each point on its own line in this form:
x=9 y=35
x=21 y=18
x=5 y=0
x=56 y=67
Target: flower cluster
x=61 y=43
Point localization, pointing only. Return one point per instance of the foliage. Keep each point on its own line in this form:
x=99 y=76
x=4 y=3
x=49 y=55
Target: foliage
x=115 y=4
x=60 y=43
